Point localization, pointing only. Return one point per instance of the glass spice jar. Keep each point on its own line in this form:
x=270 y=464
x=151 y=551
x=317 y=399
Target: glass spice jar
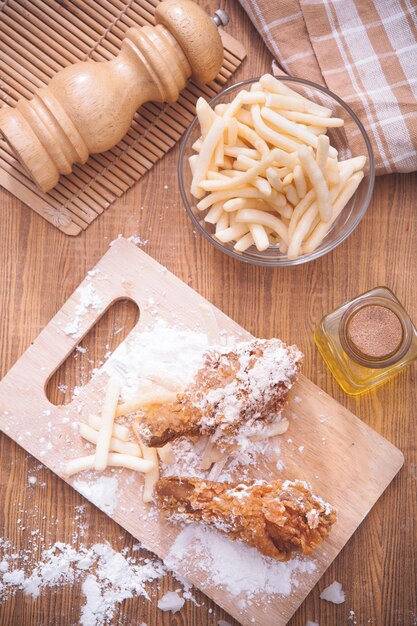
x=367 y=340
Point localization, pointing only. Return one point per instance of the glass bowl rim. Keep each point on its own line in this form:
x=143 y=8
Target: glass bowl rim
x=285 y=262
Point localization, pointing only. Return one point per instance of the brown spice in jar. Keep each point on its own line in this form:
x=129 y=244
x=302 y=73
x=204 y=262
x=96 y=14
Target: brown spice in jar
x=375 y=331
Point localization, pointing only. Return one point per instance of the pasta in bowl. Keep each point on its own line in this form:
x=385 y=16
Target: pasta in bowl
x=275 y=171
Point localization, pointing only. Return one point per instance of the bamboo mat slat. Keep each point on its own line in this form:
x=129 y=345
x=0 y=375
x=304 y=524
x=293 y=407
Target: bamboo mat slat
x=38 y=38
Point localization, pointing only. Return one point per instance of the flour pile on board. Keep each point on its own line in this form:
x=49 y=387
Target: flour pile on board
x=159 y=354
x=108 y=577
x=102 y=492
x=88 y=299
x=234 y=566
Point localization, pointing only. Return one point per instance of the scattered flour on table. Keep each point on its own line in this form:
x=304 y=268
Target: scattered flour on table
x=333 y=593
x=102 y=492
x=171 y=601
x=235 y=566
x=135 y=239
x=108 y=577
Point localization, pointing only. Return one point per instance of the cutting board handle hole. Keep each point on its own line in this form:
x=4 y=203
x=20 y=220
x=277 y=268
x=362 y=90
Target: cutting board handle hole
x=92 y=351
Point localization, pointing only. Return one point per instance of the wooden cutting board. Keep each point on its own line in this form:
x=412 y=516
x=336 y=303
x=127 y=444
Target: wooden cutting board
x=346 y=461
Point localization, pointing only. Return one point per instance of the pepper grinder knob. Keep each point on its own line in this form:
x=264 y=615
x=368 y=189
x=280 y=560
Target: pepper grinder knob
x=88 y=107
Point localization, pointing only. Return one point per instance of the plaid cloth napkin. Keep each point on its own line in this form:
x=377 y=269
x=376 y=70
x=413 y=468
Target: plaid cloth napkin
x=365 y=51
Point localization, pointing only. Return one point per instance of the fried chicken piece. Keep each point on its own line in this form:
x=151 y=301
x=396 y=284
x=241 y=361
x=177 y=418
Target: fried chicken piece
x=277 y=518
x=250 y=382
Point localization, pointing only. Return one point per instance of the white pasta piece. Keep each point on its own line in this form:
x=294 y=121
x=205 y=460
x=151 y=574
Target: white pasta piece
x=245 y=117
x=354 y=164
x=301 y=231
x=246 y=162
x=208 y=321
x=155 y=396
x=205 y=115
x=124 y=447
x=245 y=178
x=227 y=163
x=292 y=195
x=287 y=180
x=192 y=160
x=197 y=145
x=223 y=222
x=235 y=151
x=211 y=455
x=224 y=174
x=254 y=97
x=219 y=153
x=317 y=130
x=289 y=103
x=231 y=130
x=323 y=144
x=253 y=216
x=313 y=120
x=217 y=196
x=272 y=430
x=300 y=209
x=285 y=211
x=256 y=86
x=243 y=203
x=259 y=237
x=285 y=143
x=206 y=153
x=330 y=176
x=233 y=233
x=294 y=129
x=152 y=476
x=166 y=454
x=244 y=243
x=263 y=186
x=273 y=178
x=343 y=198
x=233 y=107
x=215 y=213
x=219 y=109
x=270 y=83
x=253 y=138
x=114 y=460
x=300 y=181
x=119 y=431
x=108 y=414
x=318 y=182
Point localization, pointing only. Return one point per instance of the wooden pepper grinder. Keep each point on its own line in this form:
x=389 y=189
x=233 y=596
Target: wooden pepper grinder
x=88 y=107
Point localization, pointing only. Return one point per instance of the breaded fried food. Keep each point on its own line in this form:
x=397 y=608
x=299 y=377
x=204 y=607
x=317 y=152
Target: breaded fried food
x=250 y=382
x=279 y=518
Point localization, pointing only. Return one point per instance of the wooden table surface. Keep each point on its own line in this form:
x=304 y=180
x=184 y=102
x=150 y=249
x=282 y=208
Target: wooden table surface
x=40 y=267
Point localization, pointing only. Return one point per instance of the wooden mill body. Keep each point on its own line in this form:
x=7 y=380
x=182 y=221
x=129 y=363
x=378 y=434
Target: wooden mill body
x=88 y=107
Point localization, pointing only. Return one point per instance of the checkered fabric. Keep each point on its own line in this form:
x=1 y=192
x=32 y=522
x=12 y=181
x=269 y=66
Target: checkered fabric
x=364 y=51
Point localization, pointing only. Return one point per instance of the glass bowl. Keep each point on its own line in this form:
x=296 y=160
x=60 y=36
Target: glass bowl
x=349 y=140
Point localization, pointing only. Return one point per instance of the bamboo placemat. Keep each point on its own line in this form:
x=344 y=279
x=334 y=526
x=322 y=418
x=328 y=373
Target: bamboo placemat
x=38 y=38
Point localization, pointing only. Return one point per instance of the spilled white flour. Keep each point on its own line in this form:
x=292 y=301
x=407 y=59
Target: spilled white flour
x=234 y=566
x=108 y=577
x=102 y=492
x=171 y=601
